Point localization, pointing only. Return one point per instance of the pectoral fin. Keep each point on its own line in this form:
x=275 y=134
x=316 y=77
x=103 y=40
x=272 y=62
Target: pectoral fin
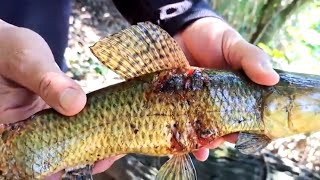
x=140 y=49
x=249 y=143
x=179 y=167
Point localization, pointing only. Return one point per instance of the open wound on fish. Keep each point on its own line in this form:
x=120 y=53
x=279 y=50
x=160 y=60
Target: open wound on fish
x=249 y=143
x=178 y=167
x=138 y=50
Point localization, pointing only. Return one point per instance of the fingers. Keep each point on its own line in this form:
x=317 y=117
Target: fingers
x=105 y=164
x=13 y=111
x=99 y=167
x=55 y=176
x=241 y=54
x=210 y=42
x=201 y=41
x=26 y=59
x=254 y=62
x=203 y=153
x=216 y=143
x=232 y=138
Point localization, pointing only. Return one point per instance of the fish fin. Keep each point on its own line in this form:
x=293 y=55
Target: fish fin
x=79 y=173
x=249 y=143
x=178 y=167
x=140 y=49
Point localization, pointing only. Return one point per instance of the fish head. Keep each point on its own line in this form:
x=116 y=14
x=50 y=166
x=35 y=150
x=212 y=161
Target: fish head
x=292 y=112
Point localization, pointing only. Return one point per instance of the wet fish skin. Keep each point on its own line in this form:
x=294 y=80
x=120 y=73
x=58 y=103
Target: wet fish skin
x=165 y=113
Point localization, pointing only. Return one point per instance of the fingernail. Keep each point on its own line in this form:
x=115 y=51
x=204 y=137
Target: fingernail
x=267 y=66
x=68 y=97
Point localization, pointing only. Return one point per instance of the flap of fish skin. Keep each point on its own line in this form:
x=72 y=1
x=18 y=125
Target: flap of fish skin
x=140 y=49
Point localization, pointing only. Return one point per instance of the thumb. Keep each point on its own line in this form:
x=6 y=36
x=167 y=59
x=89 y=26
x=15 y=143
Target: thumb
x=255 y=63
x=26 y=59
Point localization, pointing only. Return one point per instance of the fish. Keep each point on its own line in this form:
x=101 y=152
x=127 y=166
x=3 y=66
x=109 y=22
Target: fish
x=164 y=107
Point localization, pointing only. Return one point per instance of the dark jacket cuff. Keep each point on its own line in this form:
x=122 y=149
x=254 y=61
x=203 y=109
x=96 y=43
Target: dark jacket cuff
x=171 y=15
x=175 y=24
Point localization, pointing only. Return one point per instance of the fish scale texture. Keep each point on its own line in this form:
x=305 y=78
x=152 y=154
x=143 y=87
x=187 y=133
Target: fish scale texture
x=237 y=102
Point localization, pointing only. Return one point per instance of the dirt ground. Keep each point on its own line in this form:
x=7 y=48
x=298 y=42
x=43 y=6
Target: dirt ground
x=90 y=21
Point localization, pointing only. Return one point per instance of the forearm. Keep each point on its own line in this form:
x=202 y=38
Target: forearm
x=171 y=15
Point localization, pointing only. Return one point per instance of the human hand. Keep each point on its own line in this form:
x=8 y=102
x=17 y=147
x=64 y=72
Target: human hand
x=30 y=81
x=210 y=42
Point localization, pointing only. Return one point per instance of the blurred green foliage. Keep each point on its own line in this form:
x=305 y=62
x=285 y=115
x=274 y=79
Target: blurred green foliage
x=288 y=30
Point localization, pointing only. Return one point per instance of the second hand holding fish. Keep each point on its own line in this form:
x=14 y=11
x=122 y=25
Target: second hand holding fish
x=212 y=43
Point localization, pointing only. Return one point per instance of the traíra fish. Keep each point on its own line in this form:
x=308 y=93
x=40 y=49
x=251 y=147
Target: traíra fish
x=164 y=107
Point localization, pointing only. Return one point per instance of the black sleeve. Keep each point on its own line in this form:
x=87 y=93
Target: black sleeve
x=171 y=15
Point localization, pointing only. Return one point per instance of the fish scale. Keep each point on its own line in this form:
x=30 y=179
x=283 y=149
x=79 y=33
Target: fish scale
x=246 y=110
